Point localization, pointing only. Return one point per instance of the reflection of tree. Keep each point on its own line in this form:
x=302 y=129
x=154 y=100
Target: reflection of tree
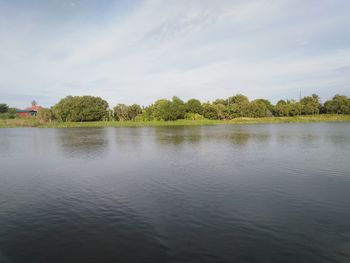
x=178 y=135
x=240 y=135
x=129 y=135
x=221 y=134
x=298 y=133
x=82 y=142
x=239 y=138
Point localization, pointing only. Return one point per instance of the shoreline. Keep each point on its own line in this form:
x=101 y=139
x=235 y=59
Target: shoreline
x=34 y=123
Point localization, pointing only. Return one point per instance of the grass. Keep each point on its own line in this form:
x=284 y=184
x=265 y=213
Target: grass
x=32 y=122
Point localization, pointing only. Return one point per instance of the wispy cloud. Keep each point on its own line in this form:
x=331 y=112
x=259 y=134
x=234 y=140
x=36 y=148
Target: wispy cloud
x=150 y=49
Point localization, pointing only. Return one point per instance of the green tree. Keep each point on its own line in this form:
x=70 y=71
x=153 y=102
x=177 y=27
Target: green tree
x=133 y=111
x=178 y=108
x=221 y=111
x=287 y=108
x=147 y=113
x=194 y=106
x=340 y=104
x=281 y=109
x=162 y=110
x=80 y=108
x=267 y=103
x=238 y=106
x=221 y=101
x=310 y=105
x=294 y=108
x=210 y=111
x=3 y=108
x=121 y=112
x=259 y=108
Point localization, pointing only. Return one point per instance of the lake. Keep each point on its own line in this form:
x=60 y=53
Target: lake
x=227 y=193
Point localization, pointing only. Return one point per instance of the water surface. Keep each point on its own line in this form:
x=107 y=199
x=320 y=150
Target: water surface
x=235 y=193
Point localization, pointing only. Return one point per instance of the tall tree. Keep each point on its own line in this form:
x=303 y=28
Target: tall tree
x=178 y=109
x=339 y=104
x=133 y=111
x=210 y=111
x=162 y=110
x=194 y=106
x=259 y=108
x=310 y=105
x=238 y=106
x=121 y=112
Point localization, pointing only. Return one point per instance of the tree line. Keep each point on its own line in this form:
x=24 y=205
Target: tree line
x=89 y=108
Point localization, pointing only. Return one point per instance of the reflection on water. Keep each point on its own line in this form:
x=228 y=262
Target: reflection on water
x=128 y=136
x=237 y=135
x=178 y=135
x=234 y=193
x=89 y=143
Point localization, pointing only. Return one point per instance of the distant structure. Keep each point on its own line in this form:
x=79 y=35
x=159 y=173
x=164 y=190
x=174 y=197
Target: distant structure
x=30 y=111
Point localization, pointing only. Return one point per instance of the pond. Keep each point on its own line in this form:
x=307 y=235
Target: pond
x=226 y=193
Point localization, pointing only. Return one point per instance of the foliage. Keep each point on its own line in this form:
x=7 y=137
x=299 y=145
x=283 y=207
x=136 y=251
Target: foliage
x=134 y=111
x=147 y=114
x=178 y=108
x=194 y=116
x=166 y=110
x=80 y=108
x=267 y=103
x=221 y=111
x=339 y=104
x=162 y=110
x=194 y=106
x=45 y=115
x=210 y=111
x=123 y=112
x=310 y=105
x=287 y=108
x=3 y=108
x=88 y=108
x=6 y=112
x=238 y=106
x=110 y=115
x=259 y=108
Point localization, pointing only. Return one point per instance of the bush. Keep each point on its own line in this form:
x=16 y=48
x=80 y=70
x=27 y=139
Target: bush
x=81 y=108
x=194 y=116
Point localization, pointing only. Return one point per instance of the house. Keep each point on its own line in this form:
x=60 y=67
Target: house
x=30 y=111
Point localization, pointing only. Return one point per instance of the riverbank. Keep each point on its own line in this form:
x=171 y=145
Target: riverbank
x=31 y=122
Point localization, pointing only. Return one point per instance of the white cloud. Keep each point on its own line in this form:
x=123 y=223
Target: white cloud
x=203 y=49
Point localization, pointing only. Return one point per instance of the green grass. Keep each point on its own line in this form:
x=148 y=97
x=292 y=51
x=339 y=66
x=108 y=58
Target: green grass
x=32 y=122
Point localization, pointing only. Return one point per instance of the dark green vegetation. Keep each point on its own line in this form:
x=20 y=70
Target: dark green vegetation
x=84 y=108
x=235 y=109
x=6 y=112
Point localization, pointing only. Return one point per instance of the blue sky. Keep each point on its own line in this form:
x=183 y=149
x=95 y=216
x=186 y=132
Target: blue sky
x=139 y=51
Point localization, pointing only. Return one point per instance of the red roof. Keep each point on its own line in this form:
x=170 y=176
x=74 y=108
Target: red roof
x=34 y=108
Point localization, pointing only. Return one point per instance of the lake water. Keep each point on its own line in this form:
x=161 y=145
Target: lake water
x=235 y=193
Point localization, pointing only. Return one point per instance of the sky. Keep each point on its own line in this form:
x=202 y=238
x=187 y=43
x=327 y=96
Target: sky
x=131 y=51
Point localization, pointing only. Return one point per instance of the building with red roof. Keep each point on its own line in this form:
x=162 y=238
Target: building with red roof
x=30 y=111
